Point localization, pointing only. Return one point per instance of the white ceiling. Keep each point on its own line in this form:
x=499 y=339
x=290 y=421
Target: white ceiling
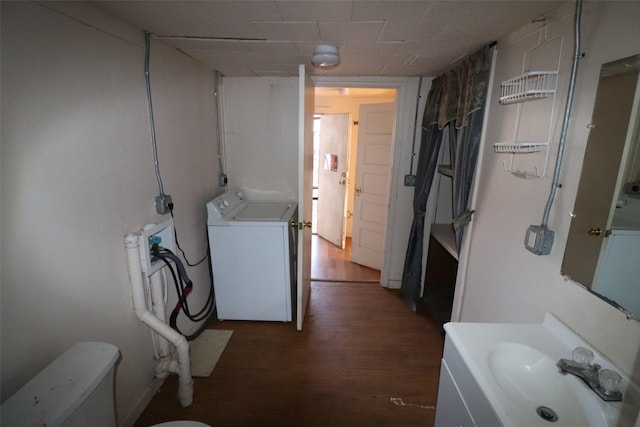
x=375 y=37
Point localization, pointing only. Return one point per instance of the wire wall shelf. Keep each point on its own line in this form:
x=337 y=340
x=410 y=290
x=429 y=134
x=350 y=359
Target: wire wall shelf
x=527 y=87
x=523 y=148
x=519 y=147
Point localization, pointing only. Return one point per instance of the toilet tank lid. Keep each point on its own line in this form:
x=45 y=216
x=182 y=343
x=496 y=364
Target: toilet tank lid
x=60 y=388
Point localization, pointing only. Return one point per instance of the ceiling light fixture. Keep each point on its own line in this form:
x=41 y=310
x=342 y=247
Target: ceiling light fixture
x=325 y=57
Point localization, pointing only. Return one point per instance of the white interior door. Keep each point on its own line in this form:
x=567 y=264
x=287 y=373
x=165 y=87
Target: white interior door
x=332 y=177
x=305 y=186
x=375 y=136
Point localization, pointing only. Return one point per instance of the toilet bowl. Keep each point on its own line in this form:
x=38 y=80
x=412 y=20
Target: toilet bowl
x=75 y=390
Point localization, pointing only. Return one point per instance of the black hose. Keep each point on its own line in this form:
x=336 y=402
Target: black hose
x=185 y=290
x=184 y=255
x=184 y=286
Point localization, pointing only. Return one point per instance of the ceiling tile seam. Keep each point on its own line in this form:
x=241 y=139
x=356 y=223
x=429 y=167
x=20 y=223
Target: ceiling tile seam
x=277 y=6
x=382 y=31
x=426 y=12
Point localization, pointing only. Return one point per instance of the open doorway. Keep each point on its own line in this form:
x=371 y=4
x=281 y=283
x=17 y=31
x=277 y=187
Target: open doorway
x=351 y=180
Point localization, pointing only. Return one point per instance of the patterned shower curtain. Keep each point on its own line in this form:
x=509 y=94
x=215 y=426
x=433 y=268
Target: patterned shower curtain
x=455 y=110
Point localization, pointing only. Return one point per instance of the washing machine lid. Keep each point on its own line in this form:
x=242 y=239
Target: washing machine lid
x=263 y=212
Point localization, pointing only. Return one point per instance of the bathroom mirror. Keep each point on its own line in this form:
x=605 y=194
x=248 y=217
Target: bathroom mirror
x=603 y=245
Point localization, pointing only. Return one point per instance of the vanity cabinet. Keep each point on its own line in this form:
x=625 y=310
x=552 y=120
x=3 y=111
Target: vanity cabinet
x=461 y=402
x=451 y=409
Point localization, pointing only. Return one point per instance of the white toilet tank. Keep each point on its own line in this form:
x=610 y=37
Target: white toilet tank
x=75 y=390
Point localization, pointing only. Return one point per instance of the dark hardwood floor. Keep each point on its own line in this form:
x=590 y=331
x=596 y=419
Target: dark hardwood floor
x=363 y=358
x=330 y=263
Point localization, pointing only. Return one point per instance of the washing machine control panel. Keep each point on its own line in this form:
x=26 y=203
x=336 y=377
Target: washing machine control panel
x=221 y=205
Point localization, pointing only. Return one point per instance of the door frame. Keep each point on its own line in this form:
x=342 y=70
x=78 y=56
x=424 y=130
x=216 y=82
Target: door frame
x=399 y=216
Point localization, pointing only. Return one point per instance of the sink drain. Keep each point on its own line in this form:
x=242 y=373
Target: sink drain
x=547 y=414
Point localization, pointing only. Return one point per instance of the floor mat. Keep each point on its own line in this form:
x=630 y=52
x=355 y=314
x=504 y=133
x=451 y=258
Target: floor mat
x=206 y=351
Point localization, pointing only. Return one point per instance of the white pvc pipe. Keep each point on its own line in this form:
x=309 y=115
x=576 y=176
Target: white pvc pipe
x=183 y=368
x=158 y=308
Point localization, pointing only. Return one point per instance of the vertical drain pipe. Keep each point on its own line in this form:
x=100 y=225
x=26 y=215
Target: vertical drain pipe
x=159 y=310
x=182 y=367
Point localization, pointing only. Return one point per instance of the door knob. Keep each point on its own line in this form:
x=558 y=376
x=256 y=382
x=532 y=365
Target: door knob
x=300 y=224
x=342 y=181
x=594 y=231
x=358 y=191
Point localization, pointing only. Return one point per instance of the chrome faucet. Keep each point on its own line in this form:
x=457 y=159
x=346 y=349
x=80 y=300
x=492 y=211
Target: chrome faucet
x=603 y=382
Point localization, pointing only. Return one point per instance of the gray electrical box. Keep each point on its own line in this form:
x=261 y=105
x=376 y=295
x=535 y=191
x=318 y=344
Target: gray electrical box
x=409 y=180
x=162 y=204
x=539 y=240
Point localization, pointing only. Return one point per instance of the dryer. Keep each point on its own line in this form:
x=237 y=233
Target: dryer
x=253 y=251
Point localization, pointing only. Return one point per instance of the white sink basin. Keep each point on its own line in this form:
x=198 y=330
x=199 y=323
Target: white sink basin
x=515 y=366
x=531 y=380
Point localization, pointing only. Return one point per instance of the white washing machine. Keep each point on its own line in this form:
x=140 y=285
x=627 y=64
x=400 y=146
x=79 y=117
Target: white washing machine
x=252 y=257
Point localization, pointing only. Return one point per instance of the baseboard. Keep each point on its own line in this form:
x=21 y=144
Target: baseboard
x=140 y=406
x=394 y=284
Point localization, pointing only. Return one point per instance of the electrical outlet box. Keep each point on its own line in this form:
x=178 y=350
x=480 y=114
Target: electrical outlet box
x=409 y=180
x=162 y=234
x=539 y=240
x=162 y=204
x=222 y=180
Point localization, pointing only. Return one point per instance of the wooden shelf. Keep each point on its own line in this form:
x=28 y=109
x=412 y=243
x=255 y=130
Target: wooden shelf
x=444 y=234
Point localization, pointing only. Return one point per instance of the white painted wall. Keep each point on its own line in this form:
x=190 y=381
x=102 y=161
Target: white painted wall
x=506 y=283
x=261 y=135
x=77 y=175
